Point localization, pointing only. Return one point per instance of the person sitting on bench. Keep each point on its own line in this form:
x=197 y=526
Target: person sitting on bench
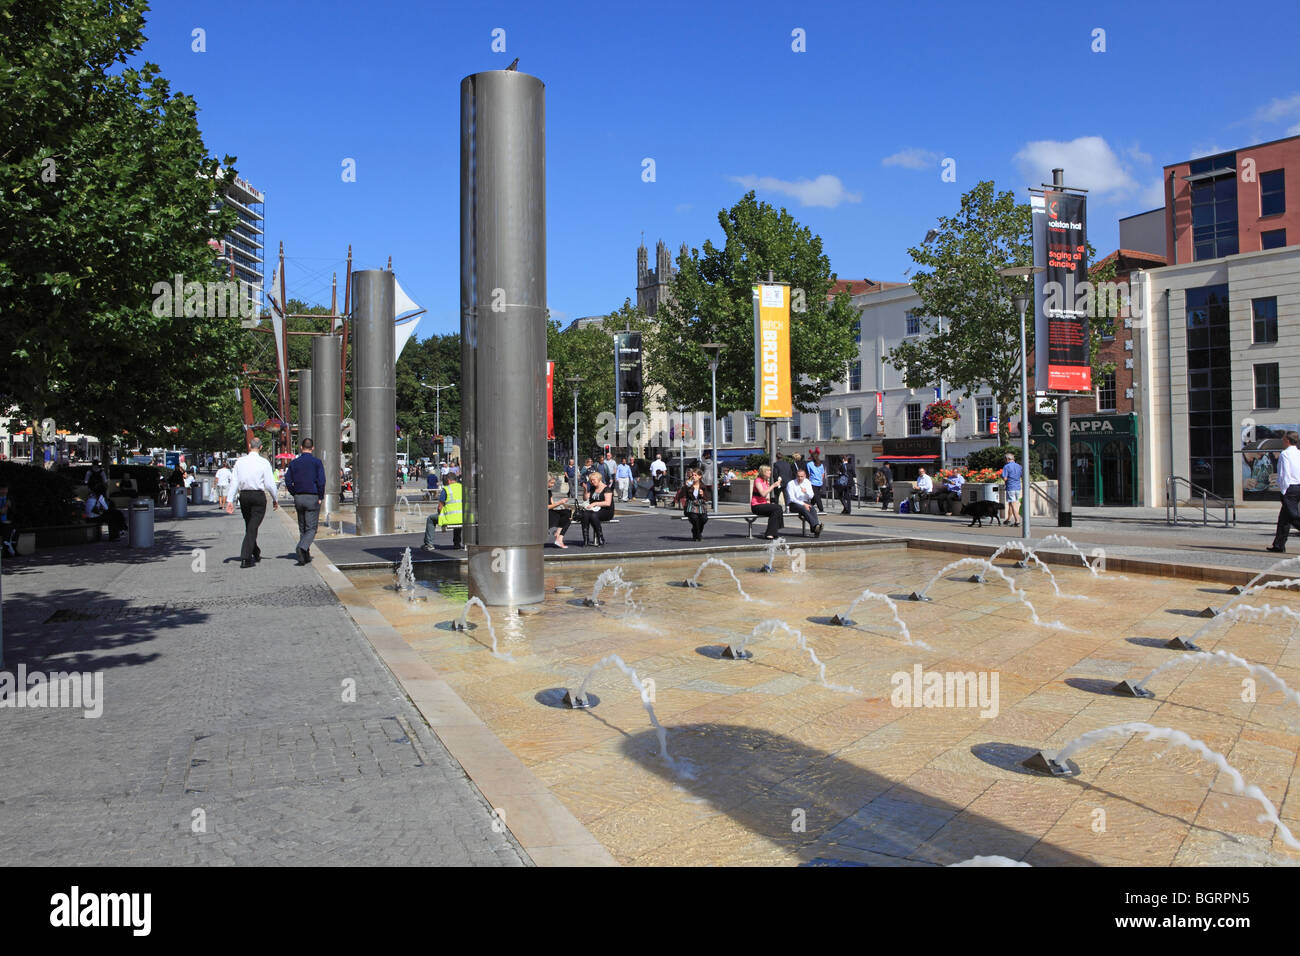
x=761 y=503
x=100 y=510
x=800 y=496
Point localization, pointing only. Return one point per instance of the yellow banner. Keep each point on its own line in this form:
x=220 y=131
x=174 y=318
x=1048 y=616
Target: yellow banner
x=772 y=392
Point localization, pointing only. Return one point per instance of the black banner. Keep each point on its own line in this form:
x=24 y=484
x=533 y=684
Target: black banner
x=627 y=378
x=1065 y=258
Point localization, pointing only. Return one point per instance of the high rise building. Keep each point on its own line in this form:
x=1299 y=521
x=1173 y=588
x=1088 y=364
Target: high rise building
x=245 y=248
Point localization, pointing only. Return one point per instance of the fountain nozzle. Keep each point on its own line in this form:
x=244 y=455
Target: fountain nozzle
x=575 y=701
x=841 y=621
x=734 y=655
x=915 y=596
x=688 y=583
x=459 y=625
x=1181 y=644
x=976 y=579
x=1126 y=688
x=1043 y=765
x=1209 y=612
x=588 y=602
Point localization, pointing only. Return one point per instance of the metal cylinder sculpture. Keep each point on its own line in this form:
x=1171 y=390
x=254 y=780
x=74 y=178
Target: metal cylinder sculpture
x=503 y=333
x=325 y=422
x=305 y=423
x=374 y=399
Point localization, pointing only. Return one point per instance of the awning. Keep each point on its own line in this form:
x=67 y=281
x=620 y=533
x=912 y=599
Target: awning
x=906 y=458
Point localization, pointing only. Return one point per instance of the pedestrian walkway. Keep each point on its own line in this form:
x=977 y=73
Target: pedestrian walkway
x=245 y=719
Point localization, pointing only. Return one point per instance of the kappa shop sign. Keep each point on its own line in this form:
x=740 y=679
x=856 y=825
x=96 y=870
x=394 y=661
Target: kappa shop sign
x=1108 y=425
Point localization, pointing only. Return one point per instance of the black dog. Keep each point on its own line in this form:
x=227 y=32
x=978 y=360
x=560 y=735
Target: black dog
x=979 y=510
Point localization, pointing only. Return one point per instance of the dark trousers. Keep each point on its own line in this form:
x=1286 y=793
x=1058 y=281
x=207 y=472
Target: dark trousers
x=591 y=520
x=559 y=518
x=252 y=504
x=809 y=513
x=431 y=527
x=308 y=508
x=1288 y=517
x=844 y=492
x=772 y=512
x=817 y=498
x=116 y=522
x=947 y=499
x=697 y=520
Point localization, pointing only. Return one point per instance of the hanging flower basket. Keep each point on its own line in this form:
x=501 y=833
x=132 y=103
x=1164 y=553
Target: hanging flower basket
x=938 y=414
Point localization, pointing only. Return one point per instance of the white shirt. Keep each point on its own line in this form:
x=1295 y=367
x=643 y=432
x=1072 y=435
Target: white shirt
x=799 y=492
x=253 y=473
x=1288 y=468
x=657 y=467
x=923 y=483
x=223 y=477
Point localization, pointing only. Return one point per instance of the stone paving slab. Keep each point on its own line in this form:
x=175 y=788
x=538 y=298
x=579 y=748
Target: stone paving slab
x=246 y=720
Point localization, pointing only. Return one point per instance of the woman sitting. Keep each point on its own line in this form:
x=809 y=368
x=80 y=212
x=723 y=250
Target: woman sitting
x=598 y=507
x=695 y=503
x=761 y=501
x=559 y=514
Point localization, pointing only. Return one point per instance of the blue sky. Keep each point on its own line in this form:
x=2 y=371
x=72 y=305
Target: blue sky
x=850 y=135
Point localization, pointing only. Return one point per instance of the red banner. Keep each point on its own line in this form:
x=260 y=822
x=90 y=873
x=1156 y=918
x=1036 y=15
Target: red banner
x=550 y=407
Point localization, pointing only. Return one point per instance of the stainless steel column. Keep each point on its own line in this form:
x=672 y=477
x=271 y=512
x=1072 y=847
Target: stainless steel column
x=305 y=424
x=325 y=415
x=374 y=399
x=503 y=333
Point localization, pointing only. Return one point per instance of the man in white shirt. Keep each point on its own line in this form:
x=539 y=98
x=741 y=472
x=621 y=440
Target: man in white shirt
x=657 y=471
x=223 y=483
x=799 y=495
x=1288 y=483
x=98 y=509
x=251 y=479
x=923 y=483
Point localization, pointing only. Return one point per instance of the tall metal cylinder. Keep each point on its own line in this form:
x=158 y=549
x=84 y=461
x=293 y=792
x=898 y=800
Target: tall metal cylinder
x=325 y=415
x=305 y=423
x=503 y=333
x=374 y=398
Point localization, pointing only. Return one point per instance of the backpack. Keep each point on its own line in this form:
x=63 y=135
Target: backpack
x=97 y=484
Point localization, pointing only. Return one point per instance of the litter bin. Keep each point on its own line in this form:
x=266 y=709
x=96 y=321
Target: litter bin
x=139 y=525
x=180 y=505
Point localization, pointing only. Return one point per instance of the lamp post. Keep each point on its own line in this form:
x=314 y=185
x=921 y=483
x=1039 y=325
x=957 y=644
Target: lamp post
x=714 y=351
x=437 y=419
x=575 y=383
x=681 y=441
x=1021 y=296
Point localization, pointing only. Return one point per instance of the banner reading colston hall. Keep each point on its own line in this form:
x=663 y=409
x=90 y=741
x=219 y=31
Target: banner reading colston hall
x=1061 y=344
x=772 y=392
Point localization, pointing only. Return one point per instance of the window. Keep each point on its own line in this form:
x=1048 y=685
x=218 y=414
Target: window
x=794 y=426
x=855 y=376
x=1272 y=239
x=913 y=324
x=1210 y=424
x=826 y=425
x=855 y=422
x=1272 y=192
x=984 y=413
x=728 y=430
x=1268 y=392
x=1106 y=393
x=750 y=435
x=1214 y=208
x=914 y=418
x=708 y=430
x=1264 y=312
x=857 y=331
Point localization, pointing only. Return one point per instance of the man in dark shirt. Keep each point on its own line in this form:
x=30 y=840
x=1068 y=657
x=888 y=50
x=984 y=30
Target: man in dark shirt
x=305 y=479
x=785 y=470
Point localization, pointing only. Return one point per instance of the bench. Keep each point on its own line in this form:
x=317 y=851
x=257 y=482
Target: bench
x=748 y=519
x=54 y=536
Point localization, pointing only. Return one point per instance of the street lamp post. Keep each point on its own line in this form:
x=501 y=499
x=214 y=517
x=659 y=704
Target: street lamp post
x=714 y=350
x=681 y=441
x=437 y=419
x=1021 y=297
x=575 y=383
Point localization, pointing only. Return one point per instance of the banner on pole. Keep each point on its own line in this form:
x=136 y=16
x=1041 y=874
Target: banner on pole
x=550 y=400
x=1062 y=356
x=627 y=381
x=772 y=386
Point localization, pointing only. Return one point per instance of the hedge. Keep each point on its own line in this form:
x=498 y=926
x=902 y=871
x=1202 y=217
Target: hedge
x=995 y=457
x=40 y=498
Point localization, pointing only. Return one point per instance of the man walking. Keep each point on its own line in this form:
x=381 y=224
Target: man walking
x=624 y=478
x=1288 y=484
x=817 y=477
x=1013 y=475
x=223 y=485
x=305 y=479
x=251 y=480
x=844 y=485
x=657 y=471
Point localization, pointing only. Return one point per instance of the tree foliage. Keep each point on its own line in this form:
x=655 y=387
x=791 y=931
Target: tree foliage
x=106 y=188
x=712 y=301
x=970 y=327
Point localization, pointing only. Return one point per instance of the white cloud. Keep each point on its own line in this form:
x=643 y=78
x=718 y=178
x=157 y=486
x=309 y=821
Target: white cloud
x=825 y=190
x=1152 y=195
x=1212 y=150
x=1279 y=109
x=1088 y=161
x=913 y=157
x=1294 y=130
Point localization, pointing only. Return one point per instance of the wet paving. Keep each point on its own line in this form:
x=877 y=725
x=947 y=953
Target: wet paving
x=899 y=753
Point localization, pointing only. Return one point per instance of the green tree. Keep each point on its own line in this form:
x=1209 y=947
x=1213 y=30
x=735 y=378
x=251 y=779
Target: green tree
x=712 y=301
x=106 y=189
x=431 y=361
x=970 y=328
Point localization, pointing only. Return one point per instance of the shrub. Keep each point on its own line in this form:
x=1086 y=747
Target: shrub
x=41 y=498
x=994 y=457
x=753 y=461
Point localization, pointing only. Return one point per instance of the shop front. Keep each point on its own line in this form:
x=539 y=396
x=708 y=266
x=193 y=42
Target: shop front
x=1105 y=453
x=907 y=456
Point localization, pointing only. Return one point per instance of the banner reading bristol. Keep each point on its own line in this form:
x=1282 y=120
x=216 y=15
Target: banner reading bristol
x=772 y=393
x=1061 y=328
